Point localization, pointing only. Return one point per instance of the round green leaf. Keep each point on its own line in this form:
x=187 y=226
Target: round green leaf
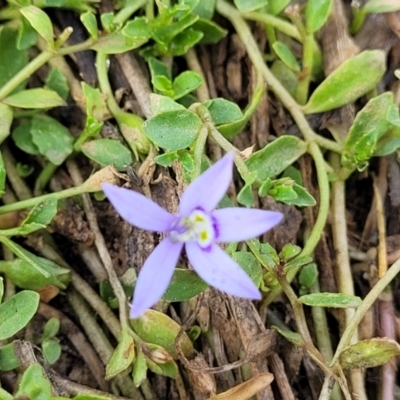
x=16 y=312
x=334 y=300
x=108 y=152
x=173 y=130
x=53 y=139
x=51 y=350
x=184 y=285
x=276 y=156
x=223 y=111
x=369 y=353
x=351 y=80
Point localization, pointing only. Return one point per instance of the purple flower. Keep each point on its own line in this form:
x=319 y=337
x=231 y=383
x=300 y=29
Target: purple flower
x=198 y=227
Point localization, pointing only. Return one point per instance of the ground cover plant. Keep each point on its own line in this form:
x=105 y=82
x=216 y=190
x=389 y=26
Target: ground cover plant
x=120 y=124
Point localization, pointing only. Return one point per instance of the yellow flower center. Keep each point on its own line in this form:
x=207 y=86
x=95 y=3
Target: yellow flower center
x=196 y=227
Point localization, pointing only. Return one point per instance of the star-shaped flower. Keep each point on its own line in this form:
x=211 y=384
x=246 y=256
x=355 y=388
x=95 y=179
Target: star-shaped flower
x=197 y=227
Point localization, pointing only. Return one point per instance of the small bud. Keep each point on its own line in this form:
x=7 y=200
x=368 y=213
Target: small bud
x=160 y=356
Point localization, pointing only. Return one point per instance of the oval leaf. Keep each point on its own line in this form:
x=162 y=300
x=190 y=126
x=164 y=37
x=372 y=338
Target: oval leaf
x=184 y=285
x=157 y=328
x=53 y=139
x=115 y=43
x=122 y=357
x=108 y=152
x=334 y=300
x=369 y=125
x=173 y=130
x=317 y=13
x=35 y=98
x=40 y=22
x=16 y=312
x=369 y=353
x=348 y=82
x=276 y=156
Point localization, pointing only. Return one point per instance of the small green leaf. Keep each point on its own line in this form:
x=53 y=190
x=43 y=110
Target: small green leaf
x=41 y=22
x=223 y=111
x=26 y=276
x=389 y=143
x=53 y=140
x=8 y=359
x=27 y=36
x=139 y=369
x=231 y=129
x=289 y=251
x=185 y=83
x=304 y=198
x=205 y=9
x=369 y=125
x=274 y=7
x=334 y=300
x=166 y=33
x=51 y=350
x=23 y=138
x=6 y=119
x=16 y=312
x=184 y=285
x=138 y=28
x=173 y=130
x=292 y=337
x=351 y=80
x=35 y=98
x=184 y=41
x=51 y=328
x=381 y=6
x=286 y=55
x=42 y=213
x=12 y=59
x=369 y=353
x=249 y=5
x=157 y=328
x=89 y=22
x=116 y=43
x=212 y=32
x=250 y=265
x=166 y=159
x=317 y=13
x=122 y=357
x=308 y=275
x=57 y=82
x=246 y=195
x=108 y=152
x=276 y=156
x=160 y=104
x=34 y=385
x=95 y=105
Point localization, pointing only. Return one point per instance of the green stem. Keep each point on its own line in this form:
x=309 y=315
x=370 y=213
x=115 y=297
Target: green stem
x=278 y=23
x=125 y=13
x=308 y=55
x=28 y=203
x=199 y=150
x=44 y=177
x=104 y=83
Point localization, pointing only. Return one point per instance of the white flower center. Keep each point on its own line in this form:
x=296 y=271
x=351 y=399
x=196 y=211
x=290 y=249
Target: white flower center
x=197 y=227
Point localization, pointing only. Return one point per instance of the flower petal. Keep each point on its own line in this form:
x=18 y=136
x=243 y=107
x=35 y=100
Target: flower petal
x=207 y=190
x=138 y=210
x=155 y=276
x=216 y=268
x=236 y=224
